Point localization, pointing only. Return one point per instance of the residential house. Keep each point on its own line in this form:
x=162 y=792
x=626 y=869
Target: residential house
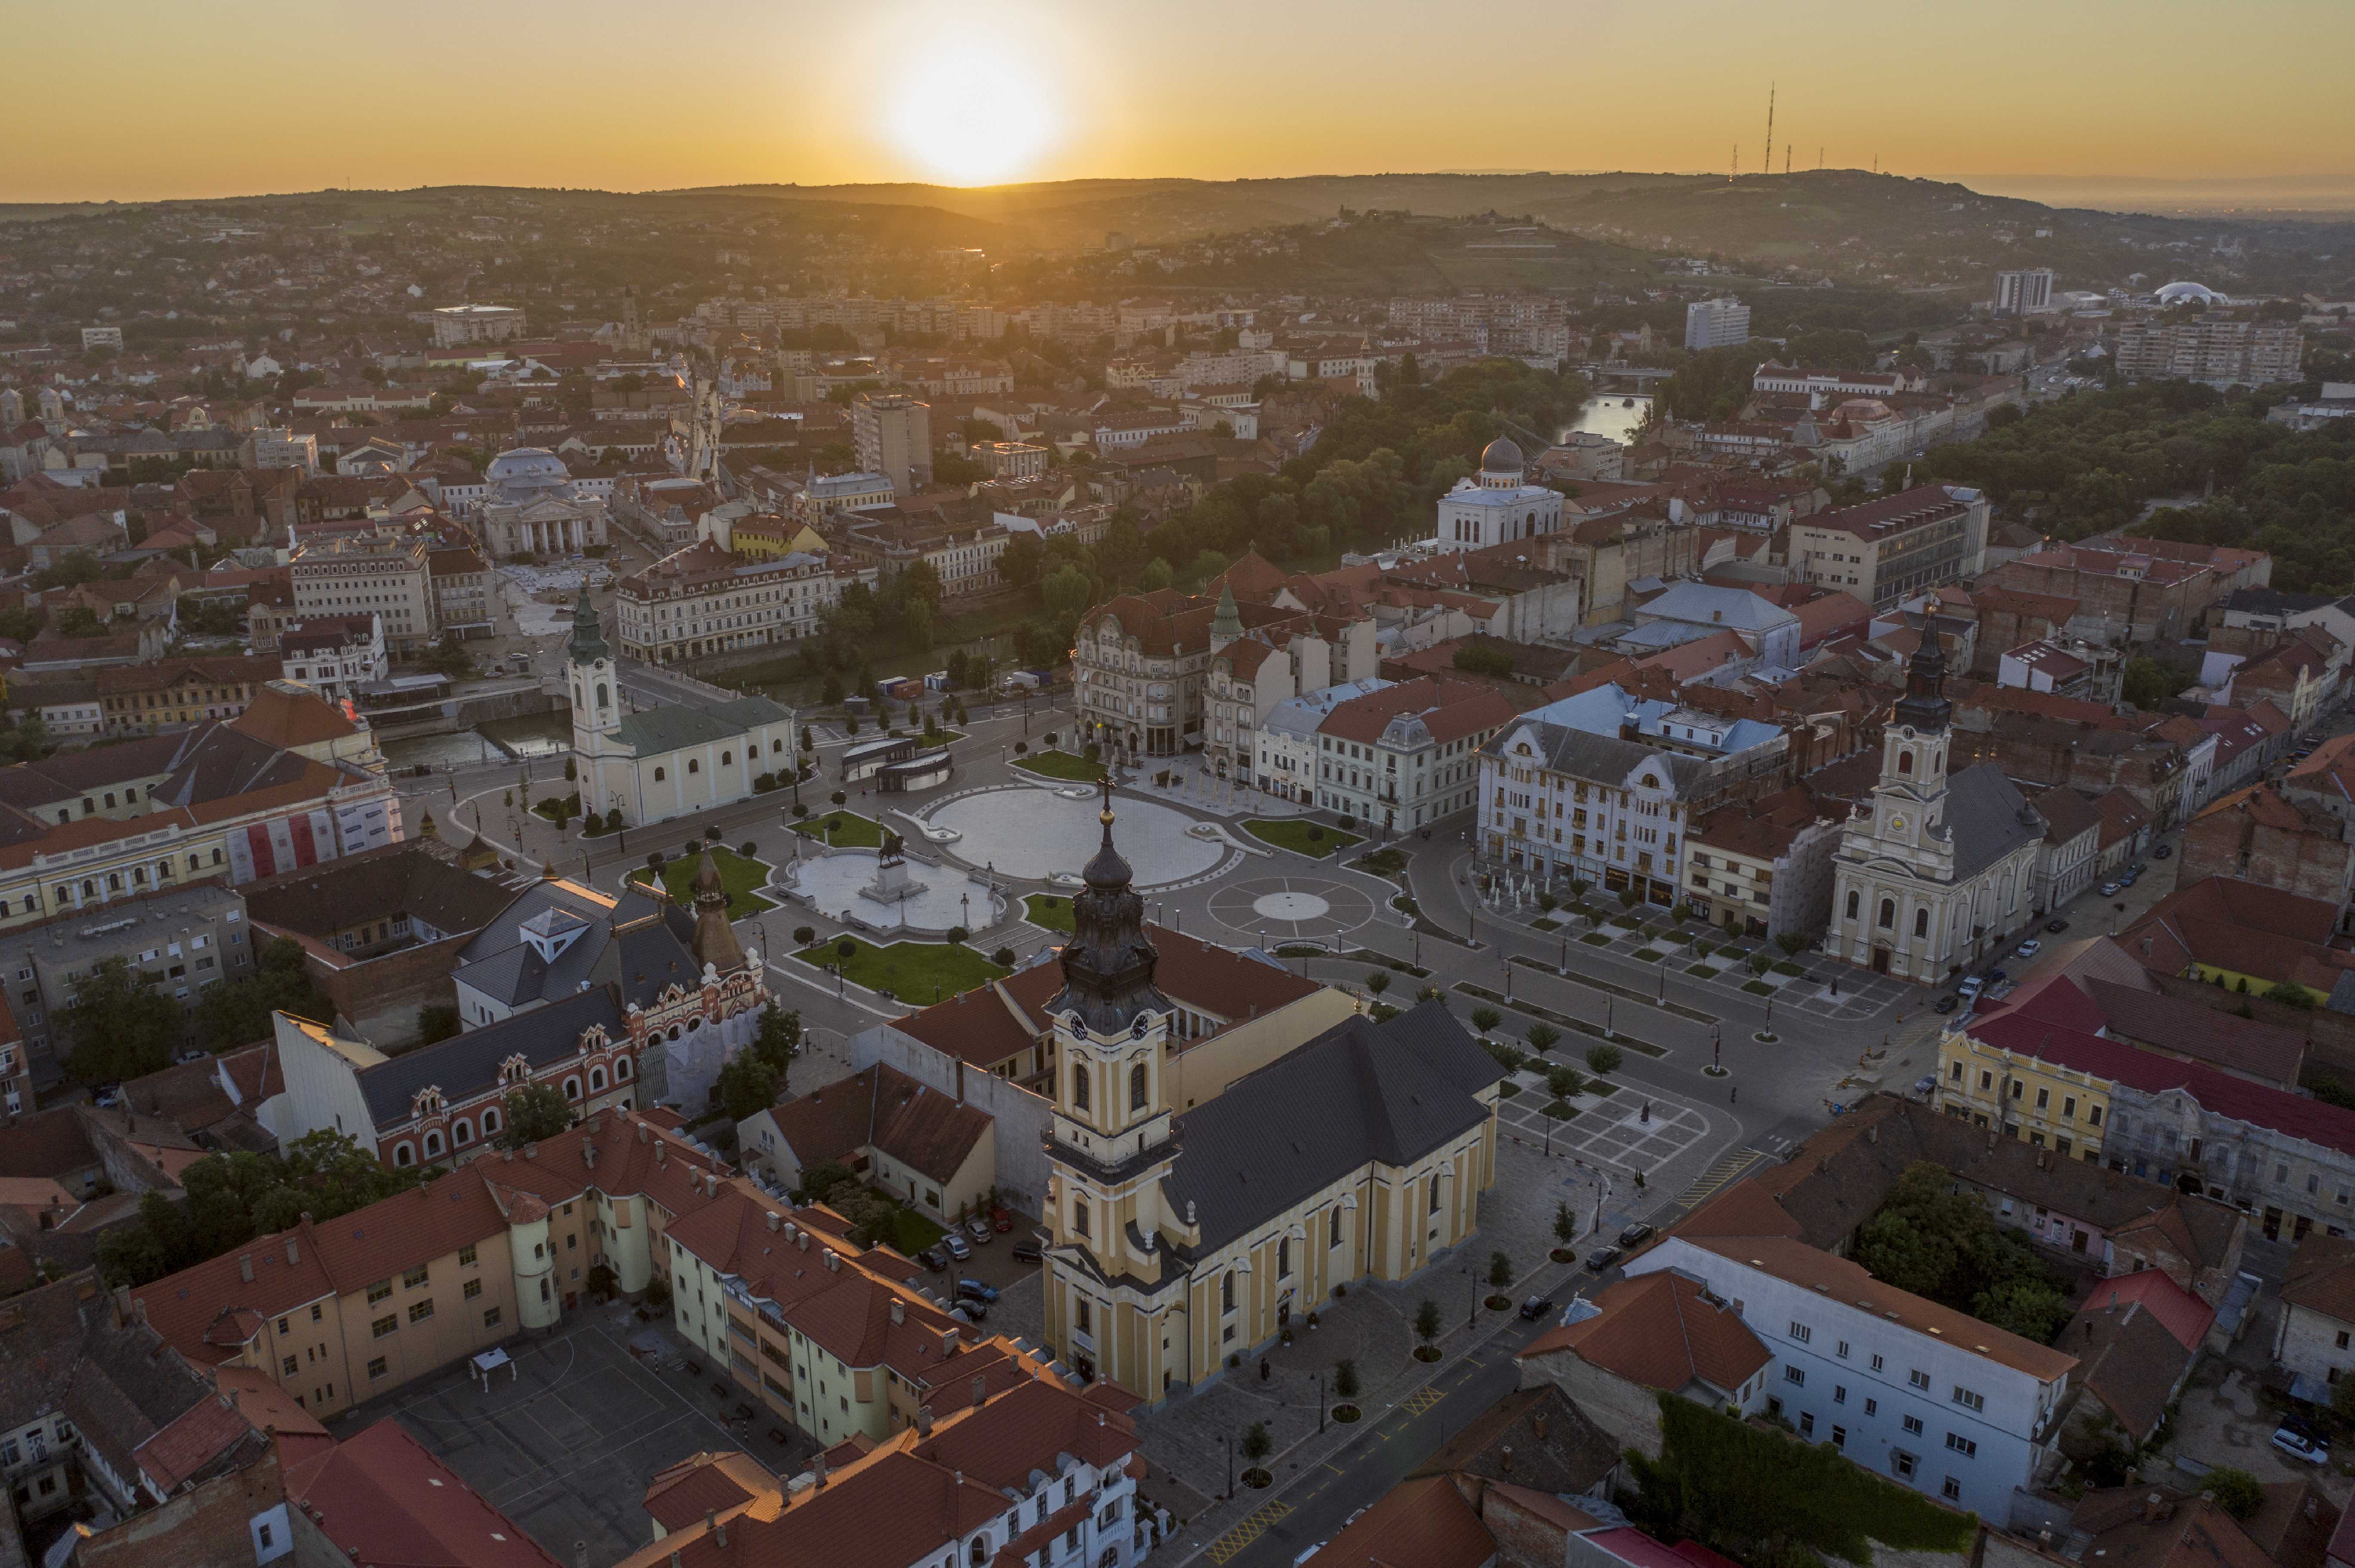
x=890 y=1131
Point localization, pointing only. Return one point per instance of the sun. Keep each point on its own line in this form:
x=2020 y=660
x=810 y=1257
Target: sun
x=973 y=114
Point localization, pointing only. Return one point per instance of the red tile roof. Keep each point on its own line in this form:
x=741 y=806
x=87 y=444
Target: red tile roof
x=1661 y=1330
x=385 y=1501
x=2185 y=1315
x=1426 y=1522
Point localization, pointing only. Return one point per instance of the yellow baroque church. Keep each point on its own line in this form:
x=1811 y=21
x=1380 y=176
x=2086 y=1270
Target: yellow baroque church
x=1181 y=1240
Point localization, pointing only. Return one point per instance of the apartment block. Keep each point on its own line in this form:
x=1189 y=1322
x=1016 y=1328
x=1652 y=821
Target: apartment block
x=2213 y=349
x=893 y=434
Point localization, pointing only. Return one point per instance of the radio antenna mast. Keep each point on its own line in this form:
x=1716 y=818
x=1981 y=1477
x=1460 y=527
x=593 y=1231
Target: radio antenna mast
x=1768 y=166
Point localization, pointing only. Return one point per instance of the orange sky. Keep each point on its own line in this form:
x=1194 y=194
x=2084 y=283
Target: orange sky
x=140 y=98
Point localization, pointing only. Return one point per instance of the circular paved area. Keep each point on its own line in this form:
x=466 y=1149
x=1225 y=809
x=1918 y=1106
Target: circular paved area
x=1291 y=908
x=1030 y=834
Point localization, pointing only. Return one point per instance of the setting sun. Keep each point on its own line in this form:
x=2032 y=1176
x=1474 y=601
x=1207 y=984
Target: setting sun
x=973 y=114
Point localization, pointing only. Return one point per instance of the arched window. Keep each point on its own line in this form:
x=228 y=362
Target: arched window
x=1284 y=1258
x=620 y=1068
x=727 y=760
x=596 y=1079
x=694 y=765
x=776 y=745
x=602 y=699
x=1227 y=1291
x=1904 y=762
x=1921 y=922
x=1079 y=1085
x=1851 y=903
x=490 y=1122
x=1888 y=914
x=572 y=1089
x=461 y=1132
x=659 y=775
x=978 y=1554
x=401 y=1155
x=1333 y=1226
x=432 y=1144
x=1136 y=1087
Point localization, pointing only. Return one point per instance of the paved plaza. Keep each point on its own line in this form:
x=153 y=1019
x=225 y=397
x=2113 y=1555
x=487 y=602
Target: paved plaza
x=1627 y=1130
x=1273 y=910
x=1030 y=834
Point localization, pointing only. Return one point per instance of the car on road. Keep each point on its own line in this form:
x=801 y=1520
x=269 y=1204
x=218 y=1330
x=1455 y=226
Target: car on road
x=1603 y=1258
x=1945 y=1003
x=1028 y=1252
x=970 y=1310
x=956 y=1246
x=1926 y=1083
x=2163 y=851
x=2303 y=1446
x=2110 y=889
x=1970 y=988
x=1635 y=1234
x=2027 y=949
x=979 y=1229
x=2129 y=879
x=1535 y=1308
x=2056 y=927
x=1001 y=1221
x=976 y=1290
x=931 y=1258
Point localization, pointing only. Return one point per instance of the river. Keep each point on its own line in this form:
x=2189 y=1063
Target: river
x=534 y=735
x=1618 y=415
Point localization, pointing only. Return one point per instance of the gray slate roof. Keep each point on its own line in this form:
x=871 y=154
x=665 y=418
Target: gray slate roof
x=1605 y=758
x=468 y=1064
x=672 y=728
x=641 y=945
x=1987 y=817
x=1390 y=1093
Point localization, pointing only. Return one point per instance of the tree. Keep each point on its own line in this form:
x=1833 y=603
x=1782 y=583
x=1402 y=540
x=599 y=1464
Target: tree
x=122 y=1026
x=1793 y=942
x=1930 y=1240
x=237 y=1011
x=1344 y=1378
x=233 y=1198
x=746 y=1085
x=1484 y=1019
x=2147 y=683
x=1378 y=981
x=1605 y=1058
x=1565 y=1224
x=450 y=658
x=1426 y=1320
x=2029 y=1308
x=778 y=1038
x=1542 y=1037
x=2289 y=994
x=1562 y=1081
x=534 y=1112
x=2236 y=1491
x=1500 y=1269
x=1021 y=562
x=437 y=1020
x=1257 y=1445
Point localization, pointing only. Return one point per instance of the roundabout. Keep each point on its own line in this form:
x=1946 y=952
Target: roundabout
x=1291 y=908
x=1044 y=835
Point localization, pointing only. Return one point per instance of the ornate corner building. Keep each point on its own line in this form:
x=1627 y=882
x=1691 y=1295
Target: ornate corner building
x=1182 y=1241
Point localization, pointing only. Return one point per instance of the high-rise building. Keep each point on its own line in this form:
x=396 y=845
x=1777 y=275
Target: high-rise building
x=2023 y=293
x=2218 y=351
x=1716 y=323
x=893 y=435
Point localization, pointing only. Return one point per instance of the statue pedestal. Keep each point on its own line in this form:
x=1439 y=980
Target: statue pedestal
x=891 y=884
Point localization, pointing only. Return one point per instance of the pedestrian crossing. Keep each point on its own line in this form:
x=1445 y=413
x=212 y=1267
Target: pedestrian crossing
x=1253 y=1526
x=1729 y=1168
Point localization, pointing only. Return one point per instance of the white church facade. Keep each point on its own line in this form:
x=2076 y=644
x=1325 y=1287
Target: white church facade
x=665 y=762
x=1498 y=504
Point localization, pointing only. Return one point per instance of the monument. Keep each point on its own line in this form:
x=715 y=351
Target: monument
x=891 y=885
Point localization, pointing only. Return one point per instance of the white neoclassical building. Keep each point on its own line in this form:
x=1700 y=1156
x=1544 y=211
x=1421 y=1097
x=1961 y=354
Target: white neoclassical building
x=1935 y=872
x=666 y=761
x=1497 y=505
x=531 y=507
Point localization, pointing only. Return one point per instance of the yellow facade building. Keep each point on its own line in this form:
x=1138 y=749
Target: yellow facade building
x=2047 y=1103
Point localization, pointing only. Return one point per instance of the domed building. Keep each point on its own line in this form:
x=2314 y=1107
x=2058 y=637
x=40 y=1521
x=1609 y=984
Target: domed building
x=532 y=508
x=1498 y=504
x=2197 y=294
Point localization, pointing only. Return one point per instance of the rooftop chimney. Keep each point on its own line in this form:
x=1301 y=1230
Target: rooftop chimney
x=923 y=1421
x=531 y=1151
x=711 y=1518
x=818 y=1466
x=658 y=1152
x=1505 y=1458
x=589 y=1154
x=775 y=1219
x=508 y=1155
x=1537 y=1426
x=899 y=1311
x=980 y=1392
x=579 y=1554
x=245 y=1266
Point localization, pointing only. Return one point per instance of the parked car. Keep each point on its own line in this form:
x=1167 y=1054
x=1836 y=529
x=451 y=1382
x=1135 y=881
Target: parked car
x=1635 y=1234
x=2109 y=889
x=1926 y=1083
x=1945 y=1004
x=2129 y=879
x=976 y=1290
x=971 y=1311
x=2056 y=927
x=1028 y=1252
x=1001 y=1221
x=1970 y=988
x=2163 y=851
x=956 y=1246
x=1603 y=1258
x=979 y=1229
x=931 y=1258
x=2303 y=1446
x=1535 y=1307
x=2027 y=949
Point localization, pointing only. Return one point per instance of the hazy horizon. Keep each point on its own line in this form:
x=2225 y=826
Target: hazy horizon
x=2009 y=96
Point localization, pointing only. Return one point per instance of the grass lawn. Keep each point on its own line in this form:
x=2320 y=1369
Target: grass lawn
x=1647 y=955
x=741 y=877
x=1758 y=987
x=1595 y=939
x=912 y=1233
x=1049 y=912
x=1292 y=833
x=852 y=830
x=1704 y=971
x=1542 y=924
x=910 y=971
x=1061 y=765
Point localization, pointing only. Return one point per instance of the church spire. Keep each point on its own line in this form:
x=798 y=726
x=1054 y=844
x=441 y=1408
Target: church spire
x=588 y=643
x=1924 y=705
x=1108 y=963
x=715 y=940
x=1228 y=623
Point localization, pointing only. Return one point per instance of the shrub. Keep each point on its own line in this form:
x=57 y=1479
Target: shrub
x=804 y=934
x=1426 y=1320
x=1003 y=957
x=1500 y=1269
x=839 y=797
x=845 y=948
x=800 y=810
x=1484 y=1019
x=748 y=849
x=1257 y=1445
x=1378 y=982
x=654 y=860
x=1565 y=1224
x=1344 y=1377
x=1542 y=1037
x=1605 y=1058
x=2236 y=1491
x=1563 y=1081
x=711 y=833
x=958 y=934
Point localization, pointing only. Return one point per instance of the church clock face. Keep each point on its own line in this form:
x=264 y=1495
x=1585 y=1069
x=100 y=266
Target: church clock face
x=1897 y=822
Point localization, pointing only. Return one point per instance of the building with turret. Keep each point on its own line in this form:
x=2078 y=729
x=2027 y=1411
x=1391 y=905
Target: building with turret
x=668 y=761
x=1497 y=505
x=1181 y=1239
x=1932 y=873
